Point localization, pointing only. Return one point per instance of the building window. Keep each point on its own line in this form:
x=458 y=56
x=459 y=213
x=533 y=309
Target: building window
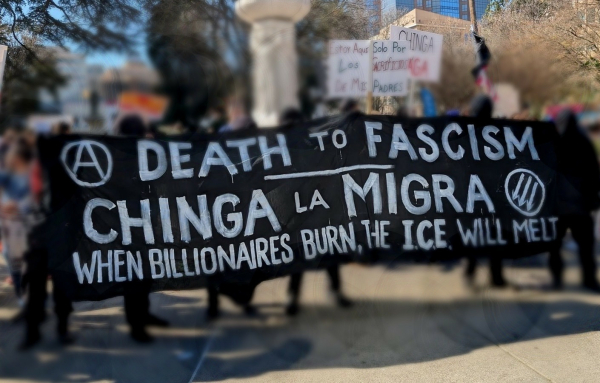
x=428 y=3
x=419 y=3
x=464 y=7
x=480 y=7
x=465 y=17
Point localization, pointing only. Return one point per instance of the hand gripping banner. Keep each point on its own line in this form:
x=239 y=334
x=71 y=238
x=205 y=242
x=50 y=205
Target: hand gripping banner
x=175 y=213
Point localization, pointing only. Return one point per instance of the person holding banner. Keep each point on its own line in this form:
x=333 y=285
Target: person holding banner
x=288 y=118
x=37 y=271
x=481 y=107
x=137 y=299
x=578 y=194
x=241 y=293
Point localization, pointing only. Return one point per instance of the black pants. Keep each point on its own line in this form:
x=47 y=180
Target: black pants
x=582 y=229
x=17 y=278
x=137 y=305
x=495 y=269
x=240 y=293
x=37 y=277
x=213 y=297
x=334 y=281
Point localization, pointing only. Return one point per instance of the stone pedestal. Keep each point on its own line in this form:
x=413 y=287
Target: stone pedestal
x=275 y=62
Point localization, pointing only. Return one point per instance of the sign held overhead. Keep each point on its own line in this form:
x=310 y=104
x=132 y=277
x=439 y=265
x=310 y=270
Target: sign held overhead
x=390 y=68
x=425 y=52
x=348 y=68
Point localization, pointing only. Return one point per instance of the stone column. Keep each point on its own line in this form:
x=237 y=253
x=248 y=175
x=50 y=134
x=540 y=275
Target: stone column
x=275 y=61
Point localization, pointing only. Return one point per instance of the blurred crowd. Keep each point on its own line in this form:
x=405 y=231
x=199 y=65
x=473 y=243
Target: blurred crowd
x=22 y=208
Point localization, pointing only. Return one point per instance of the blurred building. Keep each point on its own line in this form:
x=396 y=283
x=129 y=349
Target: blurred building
x=426 y=21
x=134 y=75
x=72 y=98
x=458 y=9
x=89 y=96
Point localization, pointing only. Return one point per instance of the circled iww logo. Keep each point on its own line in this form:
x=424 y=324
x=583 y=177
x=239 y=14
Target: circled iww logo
x=525 y=191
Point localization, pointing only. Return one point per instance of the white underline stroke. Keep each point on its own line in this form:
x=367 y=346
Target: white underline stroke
x=323 y=173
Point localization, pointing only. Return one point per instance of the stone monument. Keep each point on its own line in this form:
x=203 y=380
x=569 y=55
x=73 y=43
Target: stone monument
x=275 y=61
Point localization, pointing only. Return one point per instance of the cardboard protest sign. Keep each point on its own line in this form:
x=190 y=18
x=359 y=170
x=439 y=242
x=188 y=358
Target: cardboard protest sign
x=348 y=68
x=390 y=68
x=426 y=52
x=173 y=214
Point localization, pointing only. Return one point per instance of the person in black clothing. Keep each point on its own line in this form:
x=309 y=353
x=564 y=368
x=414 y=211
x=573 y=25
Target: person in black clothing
x=349 y=106
x=335 y=285
x=578 y=196
x=239 y=292
x=481 y=107
x=35 y=280
x=288 y=118
x=132 y=126
x=137 y=295
x=401 y=112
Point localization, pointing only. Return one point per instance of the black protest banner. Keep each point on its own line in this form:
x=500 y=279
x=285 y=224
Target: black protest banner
x=174 y=213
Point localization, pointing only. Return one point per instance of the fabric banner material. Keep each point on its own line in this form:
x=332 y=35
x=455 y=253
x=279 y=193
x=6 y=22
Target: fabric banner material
x=178 y=212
